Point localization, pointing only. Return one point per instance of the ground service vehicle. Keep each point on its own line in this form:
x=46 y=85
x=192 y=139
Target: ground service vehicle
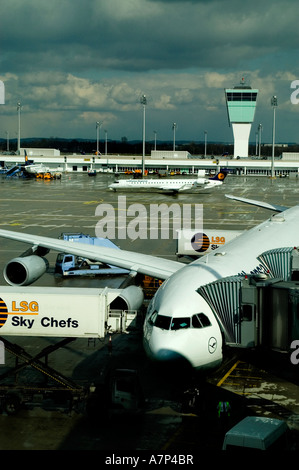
x=71 y=265
x=257 y=433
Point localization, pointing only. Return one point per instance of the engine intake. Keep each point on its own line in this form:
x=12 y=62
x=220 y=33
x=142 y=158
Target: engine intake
x=23 y=271
x=130 y=298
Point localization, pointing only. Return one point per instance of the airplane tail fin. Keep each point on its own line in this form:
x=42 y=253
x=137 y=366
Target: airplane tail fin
x=26 y=157
x=220 y=176
x=266 y=205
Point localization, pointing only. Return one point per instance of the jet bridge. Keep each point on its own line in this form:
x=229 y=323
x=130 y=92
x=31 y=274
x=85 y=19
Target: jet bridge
x=259 y=309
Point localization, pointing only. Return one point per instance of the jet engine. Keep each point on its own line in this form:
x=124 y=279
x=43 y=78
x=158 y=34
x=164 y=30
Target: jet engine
x=130 y=298
x=23 y=271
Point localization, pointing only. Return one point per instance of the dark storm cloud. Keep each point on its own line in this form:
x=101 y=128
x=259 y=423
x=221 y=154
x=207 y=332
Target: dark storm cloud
x=143 y=34
x=98 y=56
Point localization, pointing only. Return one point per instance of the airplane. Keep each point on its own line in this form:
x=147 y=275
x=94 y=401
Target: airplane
x=33 y=168
x=179 y=323
x=170 y=185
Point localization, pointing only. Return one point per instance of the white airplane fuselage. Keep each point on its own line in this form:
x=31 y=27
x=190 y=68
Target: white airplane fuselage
x=177 y=297
x=179 y=323
x=40 y=168
x=171 y=184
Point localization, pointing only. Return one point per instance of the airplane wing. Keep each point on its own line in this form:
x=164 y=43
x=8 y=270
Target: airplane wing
x=137 y=262
x=171 y=190
x=178 y=188
x=266 y=205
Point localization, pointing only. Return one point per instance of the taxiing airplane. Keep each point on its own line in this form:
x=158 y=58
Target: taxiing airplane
x=170 y=185
x=179 y=323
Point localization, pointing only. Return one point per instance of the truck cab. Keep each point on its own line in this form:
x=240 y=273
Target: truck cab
x=64 y=262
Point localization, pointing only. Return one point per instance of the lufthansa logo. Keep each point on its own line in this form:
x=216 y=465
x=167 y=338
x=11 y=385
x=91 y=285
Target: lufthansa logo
x=212 y=345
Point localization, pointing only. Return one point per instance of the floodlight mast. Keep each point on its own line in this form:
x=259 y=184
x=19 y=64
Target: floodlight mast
x=98 y=127
x=19 y=126
x=206 y=136
x=260 y=128
x=274 y=105
x=174 y=128
x=143 y=101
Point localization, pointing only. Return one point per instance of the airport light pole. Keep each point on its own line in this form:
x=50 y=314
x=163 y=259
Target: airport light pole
x=206 y=135
x=106 y=142
x=143 y=101
x=155 y=135
x=98 y=126
x=274 y=105
x=19 y=126
x=7 y=141
x=174 y=128
x=260 y=127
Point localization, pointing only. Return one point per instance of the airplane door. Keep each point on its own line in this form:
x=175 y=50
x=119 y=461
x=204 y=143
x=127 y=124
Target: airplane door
x=248 y=326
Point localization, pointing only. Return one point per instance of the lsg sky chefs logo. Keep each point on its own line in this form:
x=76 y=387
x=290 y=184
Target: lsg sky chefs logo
x=18 y=311
x=156 y=221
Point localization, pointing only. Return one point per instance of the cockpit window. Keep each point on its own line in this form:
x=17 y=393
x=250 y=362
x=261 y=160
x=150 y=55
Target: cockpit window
x=200 y=320
x=162 y=322
x=153 y=317
x=180 y=323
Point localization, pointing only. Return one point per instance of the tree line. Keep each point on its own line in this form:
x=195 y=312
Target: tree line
x=126 y=147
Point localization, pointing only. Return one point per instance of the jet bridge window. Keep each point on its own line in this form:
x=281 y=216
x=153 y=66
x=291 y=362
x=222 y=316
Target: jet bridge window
x=200 y=320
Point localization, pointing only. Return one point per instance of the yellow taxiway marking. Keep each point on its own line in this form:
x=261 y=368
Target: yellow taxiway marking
x=227 y=374
x=92 y=202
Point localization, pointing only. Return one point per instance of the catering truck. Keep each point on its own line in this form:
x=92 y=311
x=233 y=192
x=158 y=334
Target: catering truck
x=62 y=314
x=71 y=265
x=191 y=243
x=67 y=312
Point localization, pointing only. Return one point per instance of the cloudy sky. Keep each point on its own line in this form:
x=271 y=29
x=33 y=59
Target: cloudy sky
x=72 y=62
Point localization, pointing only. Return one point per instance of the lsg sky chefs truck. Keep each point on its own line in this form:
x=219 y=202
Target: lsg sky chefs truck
x=64 y=314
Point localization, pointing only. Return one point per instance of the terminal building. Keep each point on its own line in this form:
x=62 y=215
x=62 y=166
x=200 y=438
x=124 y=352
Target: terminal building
x=241 y=104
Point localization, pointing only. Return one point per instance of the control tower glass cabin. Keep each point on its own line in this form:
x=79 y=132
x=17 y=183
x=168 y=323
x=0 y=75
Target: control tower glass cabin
x=241 y=104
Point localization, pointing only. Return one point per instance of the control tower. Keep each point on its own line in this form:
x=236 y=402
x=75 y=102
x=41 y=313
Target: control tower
x=241 y=104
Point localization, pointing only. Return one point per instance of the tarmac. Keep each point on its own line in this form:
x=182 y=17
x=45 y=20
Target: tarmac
x=172 y=421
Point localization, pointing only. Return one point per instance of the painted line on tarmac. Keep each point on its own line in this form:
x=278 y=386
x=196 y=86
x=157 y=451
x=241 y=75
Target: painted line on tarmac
x=227 y=374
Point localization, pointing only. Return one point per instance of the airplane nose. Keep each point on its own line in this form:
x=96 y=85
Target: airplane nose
x=172 y=362
x=167 y=355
